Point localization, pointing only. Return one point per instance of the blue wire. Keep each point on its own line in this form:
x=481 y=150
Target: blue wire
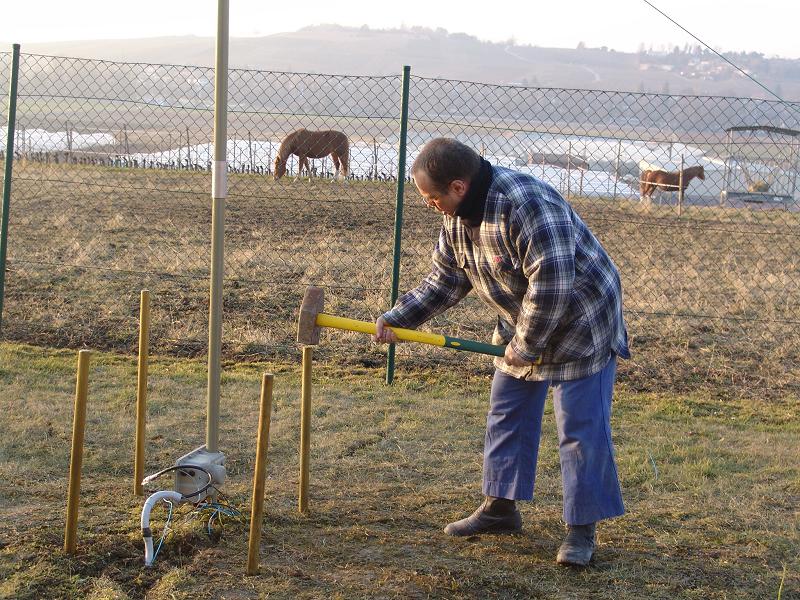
x=209 y=522
x=166 y=529
x=216 y=511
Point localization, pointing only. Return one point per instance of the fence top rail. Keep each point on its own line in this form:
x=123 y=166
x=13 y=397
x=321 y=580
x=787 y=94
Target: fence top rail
x=209 y=67
x=511 y=86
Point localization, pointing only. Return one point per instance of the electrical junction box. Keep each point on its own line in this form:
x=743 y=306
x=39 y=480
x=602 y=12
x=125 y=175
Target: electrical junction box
x=190 y=480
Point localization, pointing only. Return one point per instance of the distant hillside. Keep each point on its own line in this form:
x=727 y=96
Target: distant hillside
x=437 y=53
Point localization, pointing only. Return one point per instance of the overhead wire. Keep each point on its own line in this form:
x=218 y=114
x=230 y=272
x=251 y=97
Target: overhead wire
x=726 y=59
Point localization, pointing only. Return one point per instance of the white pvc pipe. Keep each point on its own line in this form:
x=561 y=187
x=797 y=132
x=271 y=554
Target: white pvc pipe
x=172 y=495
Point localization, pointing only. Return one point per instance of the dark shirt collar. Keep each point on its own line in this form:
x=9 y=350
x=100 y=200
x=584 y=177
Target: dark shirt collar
x=473 y=205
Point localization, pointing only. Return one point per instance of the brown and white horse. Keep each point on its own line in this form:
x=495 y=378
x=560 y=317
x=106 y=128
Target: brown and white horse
x=667 y=180
x=307 y=144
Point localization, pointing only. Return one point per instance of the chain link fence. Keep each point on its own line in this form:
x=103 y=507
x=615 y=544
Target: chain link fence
x=111 y=194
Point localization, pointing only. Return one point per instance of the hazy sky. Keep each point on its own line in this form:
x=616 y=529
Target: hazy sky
x=768 y=26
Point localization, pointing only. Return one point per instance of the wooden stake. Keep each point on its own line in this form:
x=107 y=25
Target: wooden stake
x=305 y=428
x=76 y=456
x=141 y=392
x=257 y=502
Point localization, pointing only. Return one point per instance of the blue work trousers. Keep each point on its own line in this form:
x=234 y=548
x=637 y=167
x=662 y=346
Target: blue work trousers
x=582 y=410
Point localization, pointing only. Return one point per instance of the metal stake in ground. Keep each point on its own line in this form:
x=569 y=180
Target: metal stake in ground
x=312 y=320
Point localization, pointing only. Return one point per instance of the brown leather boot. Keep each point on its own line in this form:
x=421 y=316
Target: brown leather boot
x=495 y=515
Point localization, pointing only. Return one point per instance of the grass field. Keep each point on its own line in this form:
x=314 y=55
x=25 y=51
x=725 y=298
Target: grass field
x=711 y=296
x=711 y=487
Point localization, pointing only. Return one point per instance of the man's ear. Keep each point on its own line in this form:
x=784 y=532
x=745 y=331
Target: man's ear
x=459 y=187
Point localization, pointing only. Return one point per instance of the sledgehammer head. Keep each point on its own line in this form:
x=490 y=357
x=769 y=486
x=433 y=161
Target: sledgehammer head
x=307 y=328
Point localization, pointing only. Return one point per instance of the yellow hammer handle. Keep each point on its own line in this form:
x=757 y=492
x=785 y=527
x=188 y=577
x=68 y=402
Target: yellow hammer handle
x=409 y=335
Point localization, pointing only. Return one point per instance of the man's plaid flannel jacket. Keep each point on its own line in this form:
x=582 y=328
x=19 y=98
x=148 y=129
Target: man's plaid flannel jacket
x=556 y=292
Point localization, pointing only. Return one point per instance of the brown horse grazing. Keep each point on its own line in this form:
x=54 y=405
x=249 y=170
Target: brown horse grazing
x=307 y=144
x=667 y=180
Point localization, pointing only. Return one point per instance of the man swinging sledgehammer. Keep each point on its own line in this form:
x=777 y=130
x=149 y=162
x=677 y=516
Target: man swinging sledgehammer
x=557 y=294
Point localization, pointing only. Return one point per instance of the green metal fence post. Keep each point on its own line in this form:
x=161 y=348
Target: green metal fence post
x=398 y=213
x=12 y=115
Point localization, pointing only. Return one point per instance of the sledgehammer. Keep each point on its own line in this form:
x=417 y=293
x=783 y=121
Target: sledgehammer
x=312 y=320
